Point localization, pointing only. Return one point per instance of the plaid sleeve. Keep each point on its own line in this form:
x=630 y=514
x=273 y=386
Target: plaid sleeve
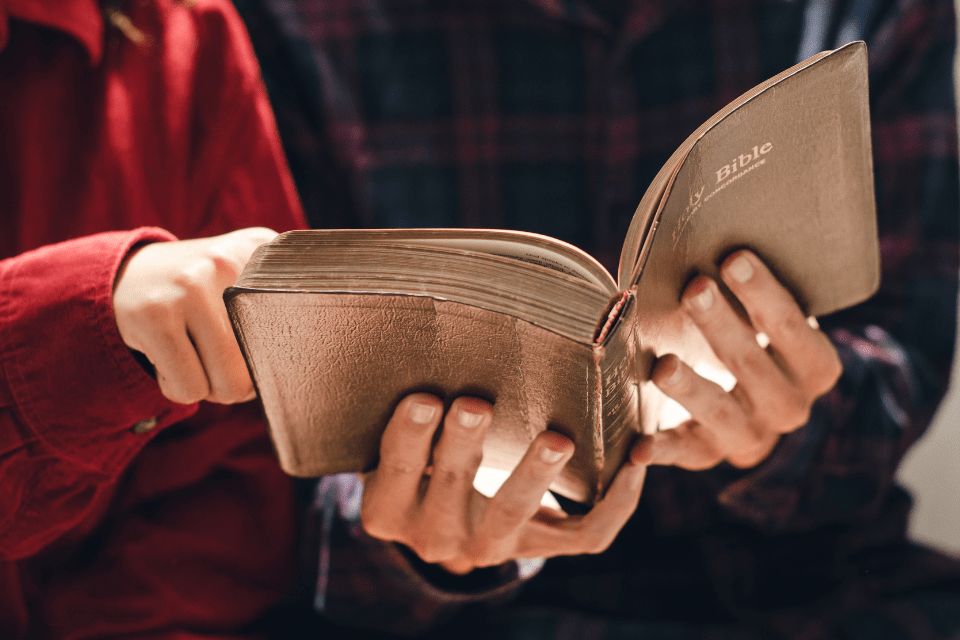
x=363 y=582
x=896 y=348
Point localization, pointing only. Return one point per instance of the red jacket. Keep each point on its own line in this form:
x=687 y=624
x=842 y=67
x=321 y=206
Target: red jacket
x=107 y=529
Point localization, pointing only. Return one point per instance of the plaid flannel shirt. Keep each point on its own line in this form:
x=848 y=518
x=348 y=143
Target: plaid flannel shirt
x=552 y=116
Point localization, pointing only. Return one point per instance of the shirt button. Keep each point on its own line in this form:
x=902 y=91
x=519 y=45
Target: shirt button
x=144 y=426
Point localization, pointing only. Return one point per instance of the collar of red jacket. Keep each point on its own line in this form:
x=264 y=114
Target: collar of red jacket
x=79 y=18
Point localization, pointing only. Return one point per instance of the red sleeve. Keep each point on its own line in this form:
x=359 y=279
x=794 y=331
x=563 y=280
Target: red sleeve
x=70 y=392
x=237 y=174
x=200 y=538
x=123 y=514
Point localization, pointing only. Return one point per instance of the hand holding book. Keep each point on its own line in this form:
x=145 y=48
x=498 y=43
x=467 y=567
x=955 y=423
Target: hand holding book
x=422 y=495
x=776 y=385
x=554 y=340
x=167 y=301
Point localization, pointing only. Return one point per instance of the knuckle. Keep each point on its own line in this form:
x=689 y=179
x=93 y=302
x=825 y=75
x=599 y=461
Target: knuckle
x=214 y=270
x=450 y=476
x=373 y=524
x=192 y=281
x=790 y=324
x=828 y=374
x=790 y=412
x=256 y=236
x=232 y=391
x=797 y=414
x=703 y=452
x=398 y=467
x=219 y=398
x=457 y=457
x=183 y=395
x=746 y=459
x=228 y=396
x=707 y=460
x=724 y=412
x=200 y=268
x=750 y=438
x=752 y=361
x=377 y=521
x=480 y=555
x=223 y=264
x=503 y=517
x=596 y=543
x=434 y=549
x=753 y=452
x=158 y=307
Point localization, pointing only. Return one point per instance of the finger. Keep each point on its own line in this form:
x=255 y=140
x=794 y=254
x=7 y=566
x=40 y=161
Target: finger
x=689 y=446
x=518 y=499
x=231 y=251
x=806 y=352
x=161 y=336
x=602 y=524
x=456 y=458
x=223 y=259
x=547 y=535
x=736 y=436
x=392 y=490
x=210 y=329
x=247 y=240
x=771 y=396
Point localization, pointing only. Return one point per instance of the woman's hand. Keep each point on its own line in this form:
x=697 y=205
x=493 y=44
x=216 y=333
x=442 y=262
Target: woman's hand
x=776 y=385
x=422 y=494
x=168 y=302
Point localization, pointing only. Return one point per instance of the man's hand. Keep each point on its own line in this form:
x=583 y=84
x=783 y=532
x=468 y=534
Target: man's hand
x=168 y=301
x=776 y=386
x=428 y=502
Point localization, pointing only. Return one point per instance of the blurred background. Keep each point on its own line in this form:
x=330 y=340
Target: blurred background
x=931 y=470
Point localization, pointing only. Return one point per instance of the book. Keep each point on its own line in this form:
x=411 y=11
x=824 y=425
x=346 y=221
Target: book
x=337 y=326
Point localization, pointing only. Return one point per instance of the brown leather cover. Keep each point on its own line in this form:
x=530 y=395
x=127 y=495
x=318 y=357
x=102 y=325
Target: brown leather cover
x=330 y=368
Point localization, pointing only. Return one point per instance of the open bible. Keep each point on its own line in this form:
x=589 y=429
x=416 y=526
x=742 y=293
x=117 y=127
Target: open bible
x=338 y=325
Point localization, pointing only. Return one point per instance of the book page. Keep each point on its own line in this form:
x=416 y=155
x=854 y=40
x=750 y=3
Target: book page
x=538 y=255
x=561 y=289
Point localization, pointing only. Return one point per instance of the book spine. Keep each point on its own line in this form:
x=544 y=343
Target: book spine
x=598 y=439
x=617 y=391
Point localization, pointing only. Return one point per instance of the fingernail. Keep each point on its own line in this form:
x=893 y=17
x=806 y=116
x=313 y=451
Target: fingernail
x=550 y=456
x=740 y=269
x=468 y=419
x=422 y=413
x=704 y=299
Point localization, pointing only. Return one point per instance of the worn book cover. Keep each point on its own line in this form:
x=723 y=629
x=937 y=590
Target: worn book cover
x=338 y=325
